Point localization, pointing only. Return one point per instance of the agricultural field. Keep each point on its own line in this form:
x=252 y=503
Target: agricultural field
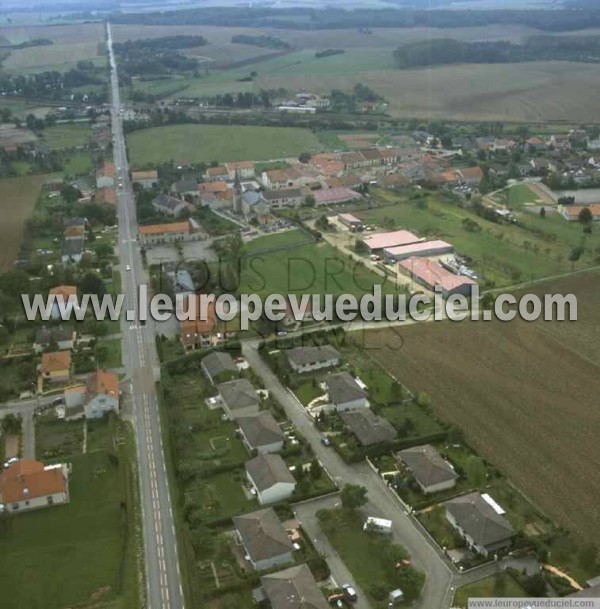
x=88 y=562
x=523 y=393
x=504 y=254
x=207 y=143
x=68 y=135
x=18 y=197
x=61 y=57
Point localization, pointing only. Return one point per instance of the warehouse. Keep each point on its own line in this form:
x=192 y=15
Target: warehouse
x=381 y=241
x=430 y=273
x=421 y=249
x=352 y=222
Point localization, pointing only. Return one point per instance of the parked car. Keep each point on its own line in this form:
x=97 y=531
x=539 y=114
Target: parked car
x=349 y=592
x=325 y=441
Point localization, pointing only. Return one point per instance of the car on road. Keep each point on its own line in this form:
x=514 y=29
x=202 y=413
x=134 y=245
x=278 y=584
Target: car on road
x=325 y=441
x=281 y=333
x=349 y=592
x=10 y=461
x=128 y=268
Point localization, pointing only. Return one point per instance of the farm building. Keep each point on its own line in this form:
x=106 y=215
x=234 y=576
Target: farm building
x=352 y=222
x=422 y=248
x=333 y=196
x=430 y=273
x=167 y=233
x=381 y=241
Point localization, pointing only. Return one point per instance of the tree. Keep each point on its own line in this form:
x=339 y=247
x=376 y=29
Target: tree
x=585 y=216
x=535 y=585
x=102 y=353
x=309 y=201
x=315 y=469
x=11 y=424
x=353 y=496
x=70 y=194
x=304 y=157
x=92 y=283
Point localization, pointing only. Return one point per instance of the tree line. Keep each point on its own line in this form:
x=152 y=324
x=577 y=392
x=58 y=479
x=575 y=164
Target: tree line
x=264 y=41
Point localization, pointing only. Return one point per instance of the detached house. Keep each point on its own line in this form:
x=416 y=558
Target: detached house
x=369 y=428
x=61 y=336
x=146 y=179
x=218 y=365
x=308 y=359
x=27 y=485
x=480 y=522
x=345 y=393
x=431 y=472
x=239 y=398
x=168 y=205
x=65 y=297
x=265 y=541
x=294 y=588
x=261 y=433
x=270 y=477
x=93 y=400
x=216 y=174
x=56 y=366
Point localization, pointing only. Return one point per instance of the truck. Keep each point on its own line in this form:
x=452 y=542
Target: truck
x=378 y=525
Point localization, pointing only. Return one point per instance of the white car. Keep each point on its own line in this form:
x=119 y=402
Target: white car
x=127 y=268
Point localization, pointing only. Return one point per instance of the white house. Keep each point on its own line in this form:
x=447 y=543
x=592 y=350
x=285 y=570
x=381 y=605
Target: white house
x=270 y=477
x=345 y=393
x=308 y=359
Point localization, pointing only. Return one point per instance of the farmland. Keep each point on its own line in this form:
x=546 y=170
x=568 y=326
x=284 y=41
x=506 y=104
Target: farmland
x=60 y=137
x=18 y=197
x=206 y=143
x=50 y=57
x=524 y=394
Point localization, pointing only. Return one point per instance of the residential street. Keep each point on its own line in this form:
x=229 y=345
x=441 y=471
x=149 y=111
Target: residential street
x=437 y=590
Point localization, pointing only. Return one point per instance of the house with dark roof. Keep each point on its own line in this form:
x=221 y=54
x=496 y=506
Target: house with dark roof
x=185 y=187
x=293 y=588
x=309 y=359
x=72 y=250
x=168 y=205
x=265 y=541
x=480 y=522
x=344 y=392
x=369 y=428
x=219 y=366
x=239 y=398
x=431 y=472
x=285 y=197
x=270 y=477
x=261 y=433
x=62 y=336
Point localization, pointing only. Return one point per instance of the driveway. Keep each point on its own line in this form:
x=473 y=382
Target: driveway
x=437 y=591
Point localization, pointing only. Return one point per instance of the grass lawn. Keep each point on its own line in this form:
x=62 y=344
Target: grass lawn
x=502 y=585
x=206 y=143
x=61 y=556
x=412 y=418
x=288 y=238
x=68 y=135
x=55 y=439
x=79 y=163
x=369 y=557
x=434 y=520
x=311 y=269
x=114 y=353
x=307 y=391
x=516 y=196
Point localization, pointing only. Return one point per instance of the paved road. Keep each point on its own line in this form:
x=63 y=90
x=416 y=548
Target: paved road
x=437 y=592
x=163 y=579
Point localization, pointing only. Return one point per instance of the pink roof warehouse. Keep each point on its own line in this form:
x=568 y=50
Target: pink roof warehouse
x=423 y=248
x=380 y=241
x=430 y=273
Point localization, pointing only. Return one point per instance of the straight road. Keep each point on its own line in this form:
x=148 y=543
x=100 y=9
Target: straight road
x=163 y=578
x=437 y=592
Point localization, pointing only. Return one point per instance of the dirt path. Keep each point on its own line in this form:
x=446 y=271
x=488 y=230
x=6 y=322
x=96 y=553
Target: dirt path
x=557 y=571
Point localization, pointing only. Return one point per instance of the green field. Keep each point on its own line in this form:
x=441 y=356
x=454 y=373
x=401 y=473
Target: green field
x=68 y=135
x=79 y=163
x=286 y=239
x=52 y=57
x=516 y=196
x=311 y=269
x=502 y=585
x=207 y=143
x=62 y=556
x=502 y=253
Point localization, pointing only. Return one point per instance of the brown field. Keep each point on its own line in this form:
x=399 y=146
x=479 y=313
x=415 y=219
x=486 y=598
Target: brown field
x=525 y=395
x=10 y=135
x=82 y=32
x=18 y=197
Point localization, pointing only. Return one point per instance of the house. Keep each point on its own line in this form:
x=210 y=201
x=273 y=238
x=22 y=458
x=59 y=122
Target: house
x=61 y=336
x=200 y=333
x=269 y=476
x=261 y=433
x=430 y=273
x=286 y=197
x=28 y=485
x=72 y=251
x=169 y=233
x=369 y=428
x=54 y=184
x=85 y=189
x=353 y=160
x=308 y=359
x=294 y=588
x=265 y=541
x=380 y=241
x=431 y=472
x=335 y=196
x=146 y=179
x=239 y=398
x=218 y=365
x=217 y=195
x=168 y=205
x=244 y=170
x=421 y=248
x=571 y=212
x=344 y=392
x=106 y=196
x=182 y=188
x=102 y=394
x=64 y=298
x=74 y=232
x=277 y=179
x=215 y=174
x=350 y=221
x=56 y=366
x=471 y=176
x=480 y=522
x=105 y=176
